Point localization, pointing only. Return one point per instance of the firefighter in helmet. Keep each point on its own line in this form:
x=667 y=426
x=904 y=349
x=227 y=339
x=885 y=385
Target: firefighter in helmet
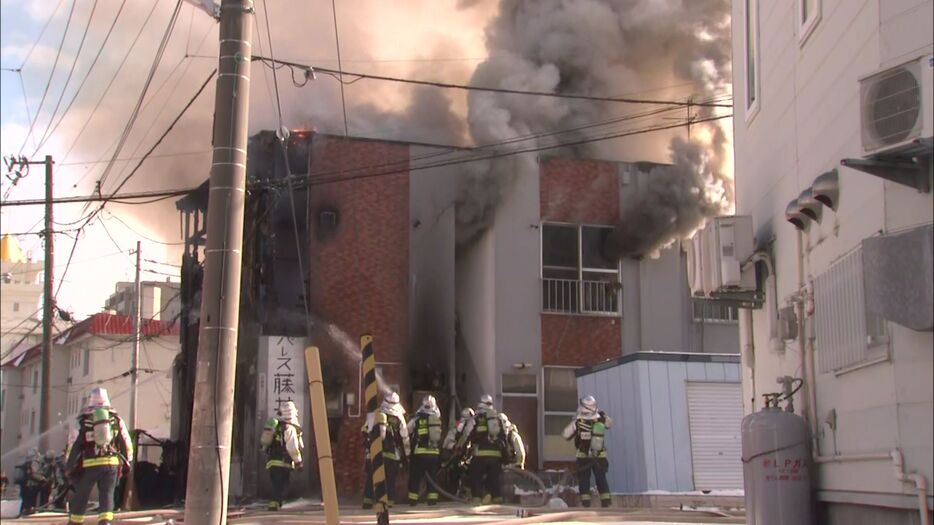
x=486 y=435
x=515 y=448
x=390 y=419
x=456 y=431
x=282 y=441
x=97 y=457
x=588 y=430
x=425 y=427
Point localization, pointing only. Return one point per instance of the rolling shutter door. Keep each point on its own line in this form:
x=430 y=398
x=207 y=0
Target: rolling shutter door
x=715 y=412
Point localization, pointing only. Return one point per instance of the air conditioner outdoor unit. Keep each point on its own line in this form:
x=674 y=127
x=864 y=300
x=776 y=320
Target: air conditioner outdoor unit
x=716 y=254
x=897 y=107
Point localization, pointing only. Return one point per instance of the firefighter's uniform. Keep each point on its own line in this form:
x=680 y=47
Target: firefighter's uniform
x=284 y=452
x=486 y=435
x=587 y=430
x=425 y=427
x=96 y=464
x=392 y=427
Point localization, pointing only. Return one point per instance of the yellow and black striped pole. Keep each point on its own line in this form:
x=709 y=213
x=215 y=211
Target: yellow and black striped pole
x=377 y=467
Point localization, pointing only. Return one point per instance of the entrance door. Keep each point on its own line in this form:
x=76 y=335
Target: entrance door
x=523 y=412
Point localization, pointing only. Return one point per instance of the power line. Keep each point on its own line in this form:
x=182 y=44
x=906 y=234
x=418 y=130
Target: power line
x=337 y=41
x=311 y=180
x=41 y=34
x=113 y=78
x=116 y=197
x=447 y=85
x=127 y=159
x=150 y=239
x=48 y=83
x=157 y=59
x=71 y=71
x=87 y=73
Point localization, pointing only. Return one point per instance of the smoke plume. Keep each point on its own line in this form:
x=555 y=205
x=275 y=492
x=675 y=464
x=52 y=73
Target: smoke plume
x=661 y=49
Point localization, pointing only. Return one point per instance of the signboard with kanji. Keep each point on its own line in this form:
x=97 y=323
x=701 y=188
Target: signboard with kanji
x=285 y=372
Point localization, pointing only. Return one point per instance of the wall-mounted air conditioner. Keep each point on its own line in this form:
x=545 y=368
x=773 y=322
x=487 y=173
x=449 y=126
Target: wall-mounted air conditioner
x=715 y=256
x=897 y=107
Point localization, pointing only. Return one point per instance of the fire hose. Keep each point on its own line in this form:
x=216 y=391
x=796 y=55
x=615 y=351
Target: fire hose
x=515 y=470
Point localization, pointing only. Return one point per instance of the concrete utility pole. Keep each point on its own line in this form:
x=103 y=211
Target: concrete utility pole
x=48 y=301
x=212 y=416
x=134 y=358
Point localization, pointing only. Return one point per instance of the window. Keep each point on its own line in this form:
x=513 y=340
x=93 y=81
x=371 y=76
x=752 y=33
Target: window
x=15 y=307
x=87 y=361
x=560 y=406
x=848 y=336
x=706 y=311
x=577 y=277
x=32 y=422
x=752 y=57
x=809 y=14
x=7 y=278
x=35 y=381
x=519 y=384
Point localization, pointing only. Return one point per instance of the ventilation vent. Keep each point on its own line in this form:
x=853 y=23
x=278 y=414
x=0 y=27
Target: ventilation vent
x=896 y=107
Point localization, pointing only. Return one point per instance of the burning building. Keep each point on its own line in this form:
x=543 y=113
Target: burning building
x=376 y=237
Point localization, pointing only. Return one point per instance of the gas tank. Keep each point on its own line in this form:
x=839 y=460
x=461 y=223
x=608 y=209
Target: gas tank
x=776 y=468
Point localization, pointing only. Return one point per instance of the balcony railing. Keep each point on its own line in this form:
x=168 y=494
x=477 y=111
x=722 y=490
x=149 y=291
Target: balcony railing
x=580 y=297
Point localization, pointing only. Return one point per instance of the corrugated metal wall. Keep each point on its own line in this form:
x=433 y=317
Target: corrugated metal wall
x=649 y=445
x=716 y=447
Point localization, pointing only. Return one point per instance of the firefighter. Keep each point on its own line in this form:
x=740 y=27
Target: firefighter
x=515 y=448
x=587 y=429
x=282 y=441
x=455 y=432
x=102 y=447
x=425 y=427
x=30 y=482
x=485 y=434
x=392 y=427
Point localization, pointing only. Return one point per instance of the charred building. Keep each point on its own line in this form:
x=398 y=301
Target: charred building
x=379 y=237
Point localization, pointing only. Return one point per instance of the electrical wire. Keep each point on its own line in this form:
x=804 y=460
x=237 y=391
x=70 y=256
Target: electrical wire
x=48 y=83
x=71 y=71
x=122 y=198
x=41 y=34
x=140 y=235
x=340 y=67
x=134 y=114
x=87 y=74
x=446 y=85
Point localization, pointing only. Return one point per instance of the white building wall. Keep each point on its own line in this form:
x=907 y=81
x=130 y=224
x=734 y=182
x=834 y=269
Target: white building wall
x=808 y=120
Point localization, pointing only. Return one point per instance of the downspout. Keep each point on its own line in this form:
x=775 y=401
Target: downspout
x=748 y=349
x=921 y=485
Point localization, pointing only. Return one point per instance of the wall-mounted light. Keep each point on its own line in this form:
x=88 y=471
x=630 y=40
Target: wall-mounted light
x=521 y=366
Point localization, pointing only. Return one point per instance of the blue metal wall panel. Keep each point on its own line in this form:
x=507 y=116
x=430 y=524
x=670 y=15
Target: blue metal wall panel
x=715 y=372
x=648 y=422
x=662 y=431
x=677 y=375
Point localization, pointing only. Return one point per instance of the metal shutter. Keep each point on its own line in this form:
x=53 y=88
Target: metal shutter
x=715 y=412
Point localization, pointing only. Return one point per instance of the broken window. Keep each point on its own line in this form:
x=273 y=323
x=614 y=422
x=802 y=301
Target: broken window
x=577 y=275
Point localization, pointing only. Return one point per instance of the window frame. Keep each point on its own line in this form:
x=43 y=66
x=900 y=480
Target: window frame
x=580 y=270
x=544 y=455
x=806 y=26
x=703 y=304
x=752 y=22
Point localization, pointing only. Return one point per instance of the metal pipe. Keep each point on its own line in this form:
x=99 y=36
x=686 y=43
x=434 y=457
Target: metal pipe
x=920 y=482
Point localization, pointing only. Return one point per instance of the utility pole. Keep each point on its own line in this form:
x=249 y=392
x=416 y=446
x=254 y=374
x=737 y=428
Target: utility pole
x=212 y=415
x=47 y=304
x=20 y=167
x=134 y=358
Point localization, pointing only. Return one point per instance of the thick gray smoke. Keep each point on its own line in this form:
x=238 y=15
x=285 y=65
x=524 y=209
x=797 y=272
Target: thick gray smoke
x=607 y=48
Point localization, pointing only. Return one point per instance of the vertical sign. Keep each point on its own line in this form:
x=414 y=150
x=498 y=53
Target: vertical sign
x=285 y=372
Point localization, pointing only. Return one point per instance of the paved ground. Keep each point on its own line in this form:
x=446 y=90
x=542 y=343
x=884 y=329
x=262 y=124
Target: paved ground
x=312 y=514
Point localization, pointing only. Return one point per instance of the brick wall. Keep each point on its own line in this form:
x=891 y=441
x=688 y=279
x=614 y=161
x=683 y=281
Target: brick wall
x=579 y=340
x=358 y=269
x=579 y=191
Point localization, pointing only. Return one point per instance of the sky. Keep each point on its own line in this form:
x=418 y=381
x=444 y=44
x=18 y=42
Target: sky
x=375 y=37
x=666 y=49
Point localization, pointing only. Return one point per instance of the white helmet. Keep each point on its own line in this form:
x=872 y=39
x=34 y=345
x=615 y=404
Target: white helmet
x=289 y=410
x=486 y=402
x=98 y=398
x=467 y=413
x=392 y=398
x=588 y=406
x=429 y=403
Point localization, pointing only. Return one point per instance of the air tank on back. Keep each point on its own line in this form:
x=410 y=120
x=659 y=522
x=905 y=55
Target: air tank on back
x=776 y=466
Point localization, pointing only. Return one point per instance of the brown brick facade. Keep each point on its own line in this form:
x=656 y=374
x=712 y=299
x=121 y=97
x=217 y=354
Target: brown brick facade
x=358 y=264
x=579 y=191
x=578 y=340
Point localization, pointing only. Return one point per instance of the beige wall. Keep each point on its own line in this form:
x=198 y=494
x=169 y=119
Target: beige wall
x=808 y=120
